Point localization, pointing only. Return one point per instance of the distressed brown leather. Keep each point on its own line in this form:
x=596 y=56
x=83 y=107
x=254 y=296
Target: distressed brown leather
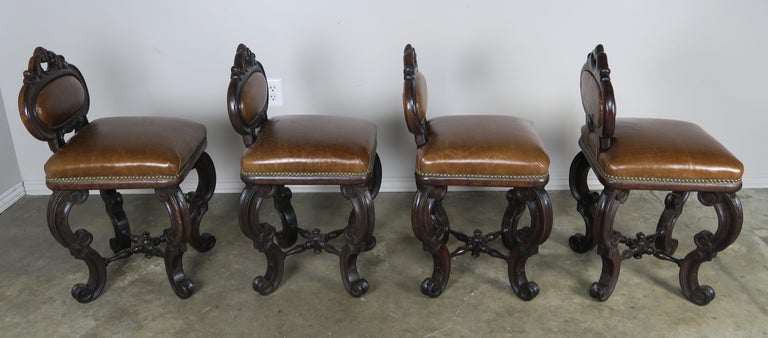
x=483 y=147
x=127 y=152
x=310 y=148
x=59 y=100
x=663 y=154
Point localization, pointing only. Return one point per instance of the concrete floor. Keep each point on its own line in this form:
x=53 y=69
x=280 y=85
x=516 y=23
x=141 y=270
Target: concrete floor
x=36 y=275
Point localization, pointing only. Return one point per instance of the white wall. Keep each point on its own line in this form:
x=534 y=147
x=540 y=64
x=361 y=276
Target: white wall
x=11 y=187
x=702 y=61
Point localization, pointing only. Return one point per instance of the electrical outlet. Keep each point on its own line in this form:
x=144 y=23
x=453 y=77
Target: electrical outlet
x=275 y=88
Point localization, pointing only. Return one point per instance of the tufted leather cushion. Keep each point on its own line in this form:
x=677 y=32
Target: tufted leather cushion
x=127 y=152
x=311 y=149
x=663 y=154
x=483 y=150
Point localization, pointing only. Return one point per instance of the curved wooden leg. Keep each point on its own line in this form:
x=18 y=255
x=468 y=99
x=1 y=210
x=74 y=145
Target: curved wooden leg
x=113 y=201
x=262 y=235
x=290 y=233
x=674 y=203
x=373 y=187
x=356 y=235
x=198 y=204
x=585 y=203
x=607 y=242
x=730 y=217
x=175 y=236
x=525 y=242
x=78 y=243
x=430 y=225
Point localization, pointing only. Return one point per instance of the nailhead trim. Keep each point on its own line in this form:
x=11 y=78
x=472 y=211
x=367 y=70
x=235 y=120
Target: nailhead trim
x=508 y=177
x=110 y=178
x=293 y=174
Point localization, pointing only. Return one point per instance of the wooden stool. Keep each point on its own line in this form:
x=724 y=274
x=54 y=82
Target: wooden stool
x=648 y=154
x=480 y=151
x=109 y=154
x=307 y=150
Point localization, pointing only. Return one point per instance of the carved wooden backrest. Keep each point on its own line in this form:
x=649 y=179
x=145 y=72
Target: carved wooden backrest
x=597 y=97
x=54 y=98
x=247 y=97
x=414 y=96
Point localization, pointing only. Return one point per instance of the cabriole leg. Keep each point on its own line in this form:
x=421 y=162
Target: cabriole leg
x=78 y=243
x=729 y=217
x=524 y=242
x=262 y=235
x=585 y=203
x=178 y=210
x=607 y=242
x=356 y=233
x=430 y=225
x=198 y=203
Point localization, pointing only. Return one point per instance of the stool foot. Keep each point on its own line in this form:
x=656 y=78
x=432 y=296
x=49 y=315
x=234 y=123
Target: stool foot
x=581 y=243
x=432 y=287
x=600 y=292
x=182 y=286
x=528 y=291
x=268 y=283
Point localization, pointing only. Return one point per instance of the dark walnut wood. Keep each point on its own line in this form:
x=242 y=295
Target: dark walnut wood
x=247 y=105
x=54 y=102
x=599 y=209
x=430 y=220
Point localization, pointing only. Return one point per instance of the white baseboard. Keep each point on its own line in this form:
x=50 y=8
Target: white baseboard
x=10 y=196
x=755 y=183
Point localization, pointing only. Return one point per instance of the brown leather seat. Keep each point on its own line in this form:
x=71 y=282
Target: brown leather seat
x=109 y=154
x=662 y=154
x=492 y=151
x=475 y=150
x=305 y=148
x=300 y=149
x=648 y=153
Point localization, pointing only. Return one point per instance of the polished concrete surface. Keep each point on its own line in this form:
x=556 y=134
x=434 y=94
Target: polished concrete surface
x=36 y=275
